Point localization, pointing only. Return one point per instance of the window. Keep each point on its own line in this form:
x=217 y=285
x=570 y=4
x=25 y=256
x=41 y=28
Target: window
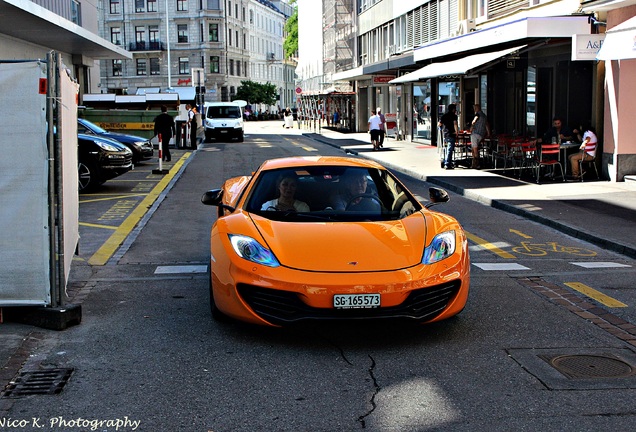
x=152 y=6
x=76 y=12
x=117 y=67
x=251 y=17
x=229 y=8
x=155 y=66
x=182 y=33
x=236 y=38
x=141 y=66
x=182 y=5
x=140 y=34
x=214 y=5
x=243 y=15
x=153 y=33
x=236 y=10
x=229 y=37
x=214 y=64
x=115 y=6
x=213 y=33
x=115 y=35
x=231 y=67
x=140 y=6
x=184 y=65
x=238 y=68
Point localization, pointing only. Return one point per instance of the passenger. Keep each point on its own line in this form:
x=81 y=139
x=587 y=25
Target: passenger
x=286 y=201
x=347 y=198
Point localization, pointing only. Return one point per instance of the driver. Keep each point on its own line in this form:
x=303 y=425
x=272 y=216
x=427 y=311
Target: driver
x=286 y=186
x=348 y=197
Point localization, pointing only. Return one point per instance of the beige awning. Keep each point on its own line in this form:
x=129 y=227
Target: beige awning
x=620 y=42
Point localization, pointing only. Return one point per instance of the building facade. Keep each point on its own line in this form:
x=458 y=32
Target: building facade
x=524 y=61
x=69 y=27
x=187 y=45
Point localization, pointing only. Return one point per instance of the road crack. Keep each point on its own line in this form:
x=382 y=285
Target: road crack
x=377 y=388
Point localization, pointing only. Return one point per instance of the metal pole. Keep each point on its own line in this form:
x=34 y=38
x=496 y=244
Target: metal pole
x=50 y=107
x=59 y=183
x=168 y=44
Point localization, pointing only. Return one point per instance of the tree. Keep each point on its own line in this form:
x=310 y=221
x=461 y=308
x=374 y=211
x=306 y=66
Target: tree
x=290 y=46
x=256 y=93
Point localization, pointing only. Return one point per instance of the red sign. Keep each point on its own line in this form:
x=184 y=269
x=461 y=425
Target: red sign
x=43 y=86
x=299 y=90
x=382 y=79
x=184 y=81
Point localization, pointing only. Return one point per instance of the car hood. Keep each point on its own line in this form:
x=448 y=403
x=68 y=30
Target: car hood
x=125 y=138
x=346 y=246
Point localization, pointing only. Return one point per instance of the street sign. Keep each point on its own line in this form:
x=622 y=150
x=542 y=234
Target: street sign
x=299 y=90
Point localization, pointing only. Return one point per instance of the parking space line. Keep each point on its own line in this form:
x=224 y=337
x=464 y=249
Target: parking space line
x=596 y=295
x=104 y=253
x=111 y=198
x=91 y=225
x=489 y=246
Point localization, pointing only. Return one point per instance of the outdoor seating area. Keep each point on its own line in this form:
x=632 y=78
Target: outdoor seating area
x=522 y=157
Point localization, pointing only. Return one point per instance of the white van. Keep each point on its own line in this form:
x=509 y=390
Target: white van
x=223 y=120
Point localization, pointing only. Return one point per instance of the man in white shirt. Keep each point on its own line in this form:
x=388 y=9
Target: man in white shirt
x=374 y=129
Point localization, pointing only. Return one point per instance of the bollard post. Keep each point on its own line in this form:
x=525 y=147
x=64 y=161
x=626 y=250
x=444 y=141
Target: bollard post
x=160 y=170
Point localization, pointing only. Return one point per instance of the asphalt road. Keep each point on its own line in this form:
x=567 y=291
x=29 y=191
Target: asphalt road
x=148 y=355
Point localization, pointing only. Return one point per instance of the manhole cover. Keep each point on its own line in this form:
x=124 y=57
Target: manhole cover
x=41 y=382
x=591 y=366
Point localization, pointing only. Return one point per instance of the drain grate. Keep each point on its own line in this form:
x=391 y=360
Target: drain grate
x=590 y=366
x=40 y=382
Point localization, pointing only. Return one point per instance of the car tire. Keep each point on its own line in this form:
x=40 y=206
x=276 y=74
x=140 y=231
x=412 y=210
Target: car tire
x=208 y=137
x=241 y=138
x=217 y=315
x=87 y=177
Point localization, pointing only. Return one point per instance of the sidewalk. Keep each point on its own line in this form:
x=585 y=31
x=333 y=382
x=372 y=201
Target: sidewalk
x=600 y=212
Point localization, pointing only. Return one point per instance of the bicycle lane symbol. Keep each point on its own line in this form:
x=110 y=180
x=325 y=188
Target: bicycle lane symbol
x=530 y=248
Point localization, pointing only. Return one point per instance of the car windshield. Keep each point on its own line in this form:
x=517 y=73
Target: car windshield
x=84 y=126
x=223 y=112
x=330 y=193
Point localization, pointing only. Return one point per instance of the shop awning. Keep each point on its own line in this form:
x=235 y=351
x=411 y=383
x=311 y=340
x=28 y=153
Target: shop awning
x=518 y=31
x=620 y=42
x=456 y=67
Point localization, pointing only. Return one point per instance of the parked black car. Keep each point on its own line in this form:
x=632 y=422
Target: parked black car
x=141 y=147
x=100 y=159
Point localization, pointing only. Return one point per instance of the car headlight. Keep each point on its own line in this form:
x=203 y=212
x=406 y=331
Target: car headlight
x=442 y=246
x=251 y=250
x=106 y=146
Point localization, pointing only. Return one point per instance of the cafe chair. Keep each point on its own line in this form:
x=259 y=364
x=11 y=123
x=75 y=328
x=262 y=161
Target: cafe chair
x=528 y=156
x=549 y=156
x=591 y=162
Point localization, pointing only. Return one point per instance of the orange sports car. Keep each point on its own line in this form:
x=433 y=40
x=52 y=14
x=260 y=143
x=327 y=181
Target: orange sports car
x=332 y=238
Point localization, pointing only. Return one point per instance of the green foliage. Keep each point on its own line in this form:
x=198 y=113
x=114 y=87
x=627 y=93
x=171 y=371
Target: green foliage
x=256 y=93
x=290 y=46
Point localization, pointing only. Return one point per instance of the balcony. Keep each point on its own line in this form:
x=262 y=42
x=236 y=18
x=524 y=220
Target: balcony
x=146 y=46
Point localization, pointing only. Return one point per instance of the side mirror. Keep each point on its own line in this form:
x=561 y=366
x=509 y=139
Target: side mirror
x=437 y=196
x=214 y=197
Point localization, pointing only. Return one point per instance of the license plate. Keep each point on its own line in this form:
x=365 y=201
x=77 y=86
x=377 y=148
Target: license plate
x=351 y=301
x=223 y=131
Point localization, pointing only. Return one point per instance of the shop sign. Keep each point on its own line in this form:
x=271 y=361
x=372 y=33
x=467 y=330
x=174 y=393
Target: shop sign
x=382 y=79
x=586 y=46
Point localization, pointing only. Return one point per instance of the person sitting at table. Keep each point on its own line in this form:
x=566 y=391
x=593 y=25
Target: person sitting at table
x=558 y=133
x=588 y=149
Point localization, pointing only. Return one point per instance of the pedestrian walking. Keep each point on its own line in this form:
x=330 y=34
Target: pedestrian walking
x=192 y=124
x=479 y=129
x=382 y=127
x=374 y=130
x=448 y=125
x=165 y=129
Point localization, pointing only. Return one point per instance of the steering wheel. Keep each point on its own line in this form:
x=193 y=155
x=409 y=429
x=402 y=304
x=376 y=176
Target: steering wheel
x=362 y=196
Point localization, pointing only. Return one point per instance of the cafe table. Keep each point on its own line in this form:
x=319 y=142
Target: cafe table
x=564 y=147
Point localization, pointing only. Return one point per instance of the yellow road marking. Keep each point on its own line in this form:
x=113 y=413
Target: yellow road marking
x=596 y=295
x=107 y=250
x=519 y=233
x=489 y=246
x=90 y=225
x=111 y=198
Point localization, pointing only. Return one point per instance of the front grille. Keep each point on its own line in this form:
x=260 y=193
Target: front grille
x=284 y=307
